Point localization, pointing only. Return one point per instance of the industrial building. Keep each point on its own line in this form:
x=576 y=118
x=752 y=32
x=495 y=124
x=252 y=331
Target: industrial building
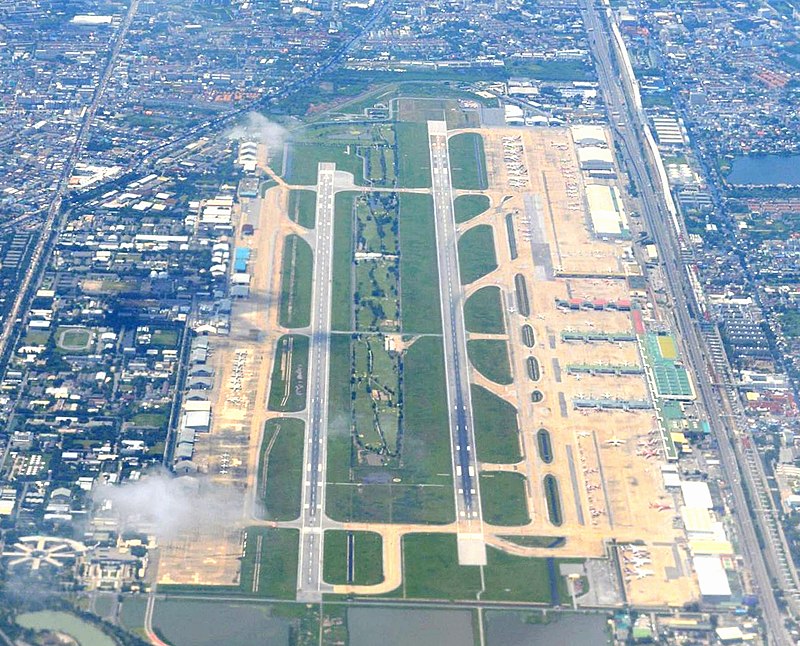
x=589 y=135
x=606 y=211
x=595 y=158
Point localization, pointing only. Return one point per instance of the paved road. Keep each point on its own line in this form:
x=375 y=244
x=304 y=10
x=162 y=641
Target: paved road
x=472 y=549
x=55 y=218
x=661 y=227
x=309 y=577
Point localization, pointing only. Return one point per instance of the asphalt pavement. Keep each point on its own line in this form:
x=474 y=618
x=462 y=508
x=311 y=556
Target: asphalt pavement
x=471 y=547
x=630 y=123
x=312 y=519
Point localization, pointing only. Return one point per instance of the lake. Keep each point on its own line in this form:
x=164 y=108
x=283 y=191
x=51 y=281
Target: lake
x=765 y=170
x=210 y=623
x=513 y=628
x=82 y=632
x=407 y=627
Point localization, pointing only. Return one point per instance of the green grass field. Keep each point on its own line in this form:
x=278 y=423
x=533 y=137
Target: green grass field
x=342 y=262
x=339 y=419
x=431 y=571
x=476 y=256
x=496 y=432
x=424 y=492
x=419 y=272
x=303 y=207
x=296 y=275
x=164 y=338
x=291 y=398
x=552 y=70
x=304 y=158
x=503 y=498
x=483 y=312
x=277 y=575
x=280 y=469
x=367 y=558
x=413 y=155
x=468 y=206
x=468 y=162
x=78 y=340
x=490 y=358
x=515 y=578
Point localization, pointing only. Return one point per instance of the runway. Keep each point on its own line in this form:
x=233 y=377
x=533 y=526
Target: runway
x=309 y=577
x=471 y=545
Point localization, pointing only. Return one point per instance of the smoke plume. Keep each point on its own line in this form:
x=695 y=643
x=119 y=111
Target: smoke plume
x=167 y=507
x=256 y=127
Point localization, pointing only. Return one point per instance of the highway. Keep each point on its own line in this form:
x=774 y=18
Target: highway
x=472 y=549
x=309 y=576
x=621 y=101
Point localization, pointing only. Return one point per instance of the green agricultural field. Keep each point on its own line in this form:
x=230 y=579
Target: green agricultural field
x=296 y=277
x=490 y=358
x=468 y=162
x=417 y=486
x=276 y=553
x=280 y=469
x=289 y=374
x=414 y=159
x=483 y=312
x=476 y=255
x=469 y=206
x=503 y=498
x=304 y=158
x=303 y=207
x=367 y=558
x=419 y=272
x=342 y=262
x=496 y=431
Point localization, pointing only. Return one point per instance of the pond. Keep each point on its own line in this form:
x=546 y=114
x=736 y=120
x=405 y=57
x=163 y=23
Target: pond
x=406 y=627
x=511 y=628
x=210 y=623
x=765 y=170
x=82 y=632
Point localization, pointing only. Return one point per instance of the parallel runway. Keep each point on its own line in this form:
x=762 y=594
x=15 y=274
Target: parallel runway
x=309 y=577
x=471 y=546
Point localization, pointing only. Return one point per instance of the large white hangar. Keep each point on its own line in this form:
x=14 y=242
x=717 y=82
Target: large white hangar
x=607 y=211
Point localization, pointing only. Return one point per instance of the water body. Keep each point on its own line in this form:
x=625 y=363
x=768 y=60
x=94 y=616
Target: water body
x=211 y=623
x=405 y=627
x=510 y=628
x=765 y=170
x=63 y=622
